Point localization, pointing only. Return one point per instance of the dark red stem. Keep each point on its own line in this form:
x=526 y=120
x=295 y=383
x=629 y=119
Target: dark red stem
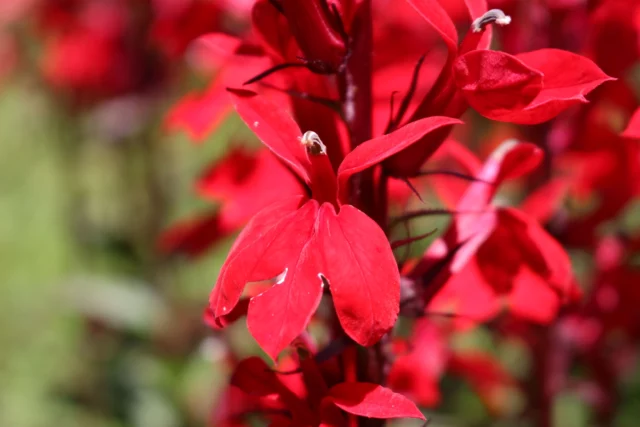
x=355 y=88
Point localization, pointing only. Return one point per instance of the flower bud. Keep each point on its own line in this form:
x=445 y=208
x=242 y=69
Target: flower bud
x=317 y=31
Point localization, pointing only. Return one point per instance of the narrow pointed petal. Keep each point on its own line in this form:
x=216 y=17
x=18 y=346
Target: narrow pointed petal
x=212 y=50
x=558 y=270
x=476 y=9
x=566 y=79
x=244 y=182
x=194 y=236
x=510 y=160
x=376 y=150
x=542 y=203
x=316 y=31
x=372 y=401
x=254 y=377
x=277 y=316
x=633 y=128
x=200 y=114
x=467 y=295
x=437 y=17
x=496 y=83
x=532 y=299
x=262 y=235
x=362 y=273
x=275 y=128
x=417 y=373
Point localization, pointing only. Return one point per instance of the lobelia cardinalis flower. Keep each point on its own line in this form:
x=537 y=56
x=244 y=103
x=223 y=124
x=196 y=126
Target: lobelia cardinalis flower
x=243 y=182
x=309 y=241
x=95 y=50
x=303 y=396
x=491 y=255
x=320 y=237
x=600 y=158
x=428 y=356
x=529 y=88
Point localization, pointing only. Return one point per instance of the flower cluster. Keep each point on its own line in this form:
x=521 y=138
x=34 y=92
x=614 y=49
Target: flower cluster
x=321 y=207
x=92 y=50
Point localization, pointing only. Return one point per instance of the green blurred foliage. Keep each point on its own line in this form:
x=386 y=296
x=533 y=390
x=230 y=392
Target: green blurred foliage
x=95 y=328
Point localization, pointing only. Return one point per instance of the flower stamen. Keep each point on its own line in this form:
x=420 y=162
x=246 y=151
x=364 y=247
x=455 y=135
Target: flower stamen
x=313 y=143
x=490 y=17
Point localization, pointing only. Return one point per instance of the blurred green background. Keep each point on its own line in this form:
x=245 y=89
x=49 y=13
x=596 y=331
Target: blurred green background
x=96 y=329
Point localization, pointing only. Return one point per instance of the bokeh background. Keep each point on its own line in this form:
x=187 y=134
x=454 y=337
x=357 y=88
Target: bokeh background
x=98 y=327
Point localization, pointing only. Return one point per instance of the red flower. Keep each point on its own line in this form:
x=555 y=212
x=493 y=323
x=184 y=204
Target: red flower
x=306 y=242
x=317 y=29
x=304 y=398
x=492 y=255
x=531 y=88
x=243 y=182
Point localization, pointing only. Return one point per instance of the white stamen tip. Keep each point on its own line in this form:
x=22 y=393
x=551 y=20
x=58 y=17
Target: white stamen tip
x=504 y=21
x=492 y=16
x=313 y=143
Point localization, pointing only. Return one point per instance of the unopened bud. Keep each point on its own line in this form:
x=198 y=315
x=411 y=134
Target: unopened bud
x=318 y=33
x=493 y=16
x=313 y=143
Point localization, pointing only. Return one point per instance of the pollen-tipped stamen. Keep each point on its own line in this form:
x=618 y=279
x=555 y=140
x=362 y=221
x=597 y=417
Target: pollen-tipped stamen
x=493 y=16
x=313 y=143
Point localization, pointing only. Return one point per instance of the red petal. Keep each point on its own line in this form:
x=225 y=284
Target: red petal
x=467 y=295
x=545 y=200
x=245 y=182
x=510 y=160
x=437 y=17
x=238 y=311
x=272 y=30
x=211 y=51
x=568 y=77
x=248 y=261
x=531 y=298
x=275 y=128
x=193 y=237
x=362 y=272
x=476 y=221
x=633 y=128
x=313 y=25
x=476 y=9
x=373 y=401
x=417 y=374
x=376 y=150
x=277 y=316
x=558 y=271
x=454 y=156
x=496 y=83
x=253 y=376
x=199 y=114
